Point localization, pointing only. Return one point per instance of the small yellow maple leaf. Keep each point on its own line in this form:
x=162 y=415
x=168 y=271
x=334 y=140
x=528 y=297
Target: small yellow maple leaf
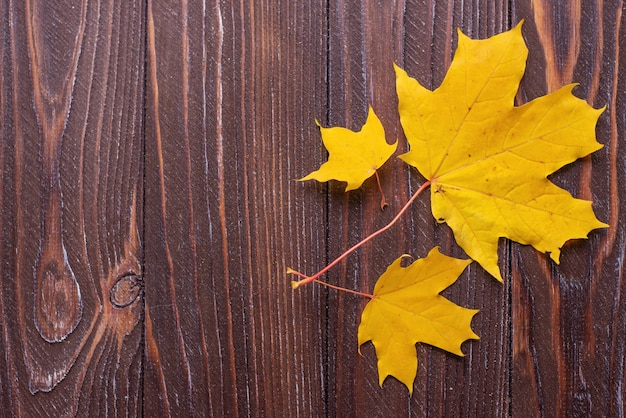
x=353 y=156
x=407 y=308
x=488 y=161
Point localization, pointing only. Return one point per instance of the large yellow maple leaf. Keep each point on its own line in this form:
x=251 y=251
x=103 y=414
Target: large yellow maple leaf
x=407 y=308
x=354 y=156
x=488 y=161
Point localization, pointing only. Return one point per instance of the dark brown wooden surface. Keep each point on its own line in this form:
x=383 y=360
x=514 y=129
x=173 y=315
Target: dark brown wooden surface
x=569 y=321
x=148 y=151
x=71 y=158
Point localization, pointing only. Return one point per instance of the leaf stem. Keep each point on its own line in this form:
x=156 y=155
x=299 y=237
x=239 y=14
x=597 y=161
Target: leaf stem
x=315 y=278
x=383 y=201
x=343 y=289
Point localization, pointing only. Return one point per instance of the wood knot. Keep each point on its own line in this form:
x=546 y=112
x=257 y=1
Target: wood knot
x=58 y=304
x=126 y=290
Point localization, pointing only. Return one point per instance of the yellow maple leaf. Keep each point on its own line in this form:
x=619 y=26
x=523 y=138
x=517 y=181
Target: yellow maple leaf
x=407 y=308
x=488 y=161
x=353 y=156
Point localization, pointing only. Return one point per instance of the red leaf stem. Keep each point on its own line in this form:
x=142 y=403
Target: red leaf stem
x=315 y=278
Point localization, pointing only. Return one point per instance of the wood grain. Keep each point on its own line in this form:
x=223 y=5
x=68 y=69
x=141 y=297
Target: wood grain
x=366 y=37
x=568 y=323
x=234 y=89
x=72 y=198
x=149 y=210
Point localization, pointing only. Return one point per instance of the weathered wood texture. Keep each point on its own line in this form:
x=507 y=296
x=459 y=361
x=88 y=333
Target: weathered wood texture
x=149 y=211
x=365 y=38
x=72 y=92
x=569 y=321
x=233 y=90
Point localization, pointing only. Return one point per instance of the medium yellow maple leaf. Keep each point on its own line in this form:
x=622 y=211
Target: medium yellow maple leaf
x=354 y=156
x=407 y=308
x=488 y=161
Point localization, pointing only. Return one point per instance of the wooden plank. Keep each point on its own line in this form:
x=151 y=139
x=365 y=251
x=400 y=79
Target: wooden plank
x=234 y=88
x=568 y=320
x=366 y=37
x=71 y=193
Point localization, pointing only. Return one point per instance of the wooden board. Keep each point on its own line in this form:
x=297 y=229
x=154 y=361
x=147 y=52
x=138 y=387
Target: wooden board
x=233 y=90
x=368 y=38
x=149 y=153
x=71 y=187
x=568 y=320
